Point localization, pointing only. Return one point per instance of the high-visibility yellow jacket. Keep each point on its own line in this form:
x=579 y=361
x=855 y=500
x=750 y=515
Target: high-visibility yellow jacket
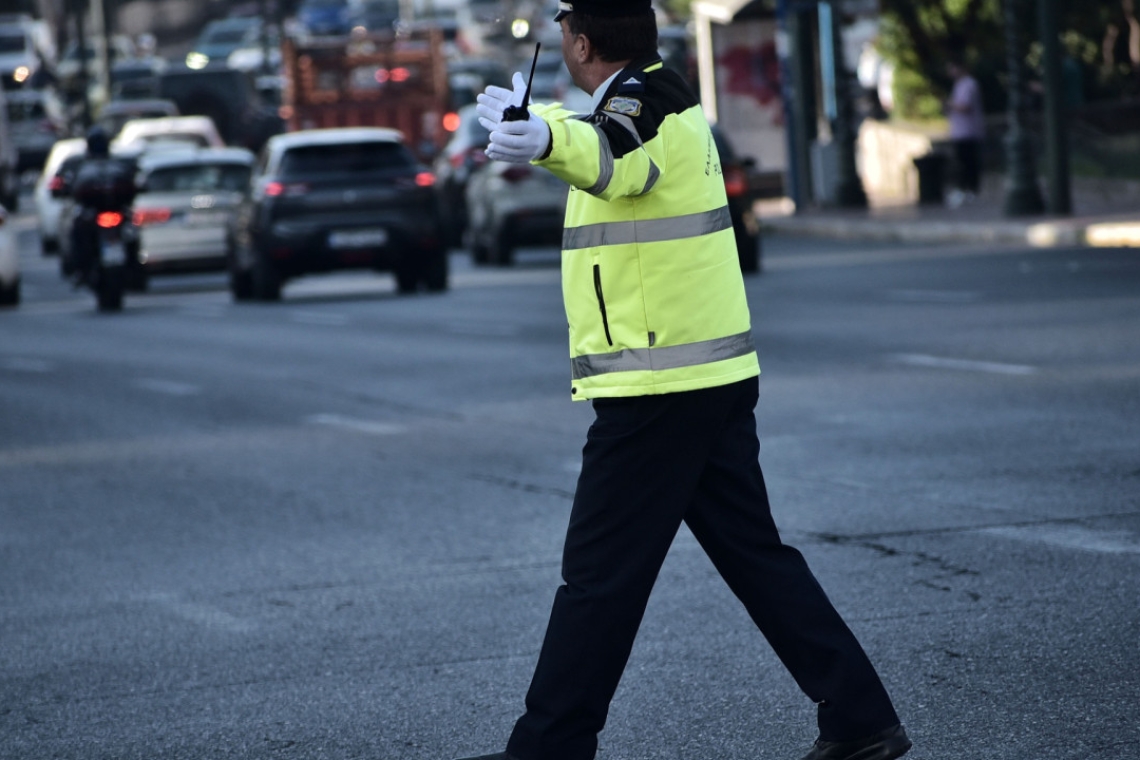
x=650 y=275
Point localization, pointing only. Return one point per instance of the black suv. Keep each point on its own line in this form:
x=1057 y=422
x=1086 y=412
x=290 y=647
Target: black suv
x=330 y=199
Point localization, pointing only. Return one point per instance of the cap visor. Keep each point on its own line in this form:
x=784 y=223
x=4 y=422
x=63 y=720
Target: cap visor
x=561 y=15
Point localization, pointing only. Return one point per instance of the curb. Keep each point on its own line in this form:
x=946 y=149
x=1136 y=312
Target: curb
x=1066 y=233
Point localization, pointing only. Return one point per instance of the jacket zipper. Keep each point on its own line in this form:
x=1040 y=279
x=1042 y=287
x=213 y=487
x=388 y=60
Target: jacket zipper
x=601 y=301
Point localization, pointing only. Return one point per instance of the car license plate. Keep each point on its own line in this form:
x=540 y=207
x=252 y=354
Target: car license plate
x=205 y=218
x=112 y=253
x=366 y=238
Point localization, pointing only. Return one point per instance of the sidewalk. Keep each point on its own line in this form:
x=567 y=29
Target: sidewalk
x=1105 y=213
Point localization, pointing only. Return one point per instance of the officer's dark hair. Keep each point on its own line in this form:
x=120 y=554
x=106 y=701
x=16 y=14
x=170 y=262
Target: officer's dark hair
x=625 y=38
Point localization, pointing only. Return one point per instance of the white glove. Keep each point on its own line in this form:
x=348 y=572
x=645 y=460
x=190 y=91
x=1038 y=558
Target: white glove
x=494 y=100
x=519 y=142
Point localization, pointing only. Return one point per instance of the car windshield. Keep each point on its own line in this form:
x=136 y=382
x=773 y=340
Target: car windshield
x=225 y=36
x=26 y=109
x=182 y=138
x=12 y=43
x=198 y=178
x=345 y=158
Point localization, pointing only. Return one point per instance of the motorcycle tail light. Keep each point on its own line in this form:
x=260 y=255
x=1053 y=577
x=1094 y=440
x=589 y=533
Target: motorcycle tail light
x=56 y=183
x=145 y=216
x=109 y=219
x=425 y=179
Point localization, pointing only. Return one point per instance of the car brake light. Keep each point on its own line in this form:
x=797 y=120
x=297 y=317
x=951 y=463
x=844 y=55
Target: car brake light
x=400 y=74
x=451 y=121
x=425 y=179
x=735 y=182
x=145 y=216
x=516 y=173
x=274 y=189
x=109 y=219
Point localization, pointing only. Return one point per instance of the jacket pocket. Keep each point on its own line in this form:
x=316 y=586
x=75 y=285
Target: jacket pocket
x=602 y=301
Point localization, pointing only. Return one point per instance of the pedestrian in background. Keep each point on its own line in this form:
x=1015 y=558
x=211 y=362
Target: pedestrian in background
x=967 y=132
x=661 y=343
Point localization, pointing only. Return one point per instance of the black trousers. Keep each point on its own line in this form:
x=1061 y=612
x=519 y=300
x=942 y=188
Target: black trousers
x=649 y=463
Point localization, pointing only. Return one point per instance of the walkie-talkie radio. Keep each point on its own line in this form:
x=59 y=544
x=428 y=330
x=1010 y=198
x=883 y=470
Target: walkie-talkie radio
x=520 y=113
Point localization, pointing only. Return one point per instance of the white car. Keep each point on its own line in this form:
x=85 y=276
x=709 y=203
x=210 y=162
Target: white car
x=47 y=207
x=199 y=131
x=9 y=262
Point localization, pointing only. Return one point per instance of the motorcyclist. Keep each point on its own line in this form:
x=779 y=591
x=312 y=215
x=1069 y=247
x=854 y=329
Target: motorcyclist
x=102 y=183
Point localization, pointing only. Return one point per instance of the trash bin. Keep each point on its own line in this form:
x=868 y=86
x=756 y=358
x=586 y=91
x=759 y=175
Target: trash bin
x=931 y=177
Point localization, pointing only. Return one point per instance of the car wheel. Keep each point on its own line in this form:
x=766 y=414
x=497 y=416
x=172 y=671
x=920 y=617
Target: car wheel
x=407 y=276
x=266 y=280
x=435 y=270
x=502 y=251
x=241 y=283
x=748 y=249
x=10 y=296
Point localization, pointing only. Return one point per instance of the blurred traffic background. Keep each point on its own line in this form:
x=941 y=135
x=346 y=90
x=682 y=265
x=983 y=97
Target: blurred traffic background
x=815 y=106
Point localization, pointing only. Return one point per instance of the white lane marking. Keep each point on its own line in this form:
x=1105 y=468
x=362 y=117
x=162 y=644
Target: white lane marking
x=356 y=425
x=968 y=365
x=321 y=318
x=24 y=364
x=1072 y=537
x=169 y=387
x=933 y=296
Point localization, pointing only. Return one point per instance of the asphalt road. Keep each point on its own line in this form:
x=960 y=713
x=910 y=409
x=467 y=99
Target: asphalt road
x=330 y=527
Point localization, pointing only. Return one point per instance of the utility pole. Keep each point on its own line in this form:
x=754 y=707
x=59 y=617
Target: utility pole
x=78 y=9
x=1056 y=118
x=1022 y=195
x=849 y=192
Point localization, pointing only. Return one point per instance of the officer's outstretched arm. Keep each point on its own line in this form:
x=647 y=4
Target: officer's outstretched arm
x=602 y=155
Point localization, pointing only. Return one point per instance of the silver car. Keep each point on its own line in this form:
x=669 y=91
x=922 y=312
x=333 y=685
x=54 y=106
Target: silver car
x=510 y=206
x=186 y=203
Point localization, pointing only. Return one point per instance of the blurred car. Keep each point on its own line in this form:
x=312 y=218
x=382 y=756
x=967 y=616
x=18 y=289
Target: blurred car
x=193 y=130
x=116 y=113
x=136 y=79
x=48 y=207
x=461 y=156
x=9 y=262
x=222 y=37
x=374 y=16
x=742 y=184
x=9 y=177
x=512 y=205
x=69 y=70
x=331 y=199
x=185 y=206
x=19 y=59
x=324 y=17
x=35 y=121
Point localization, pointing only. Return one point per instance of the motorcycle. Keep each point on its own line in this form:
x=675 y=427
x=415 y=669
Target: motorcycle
x=107 y=275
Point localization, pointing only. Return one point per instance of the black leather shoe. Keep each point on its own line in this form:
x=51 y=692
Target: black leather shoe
x=885 y=745
x=496 y=756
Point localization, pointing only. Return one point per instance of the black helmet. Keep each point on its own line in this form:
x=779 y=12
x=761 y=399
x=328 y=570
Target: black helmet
x=98 y=144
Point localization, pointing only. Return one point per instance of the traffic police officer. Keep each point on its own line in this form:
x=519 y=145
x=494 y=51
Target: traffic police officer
x=661 y=344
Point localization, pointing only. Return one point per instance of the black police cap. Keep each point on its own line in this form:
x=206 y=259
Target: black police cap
x=606 y=8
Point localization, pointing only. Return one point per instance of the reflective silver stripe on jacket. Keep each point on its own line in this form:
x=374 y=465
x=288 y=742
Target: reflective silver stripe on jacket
x=647 y=230
x=662 y=357
x=605 y=164
x=606 y=160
